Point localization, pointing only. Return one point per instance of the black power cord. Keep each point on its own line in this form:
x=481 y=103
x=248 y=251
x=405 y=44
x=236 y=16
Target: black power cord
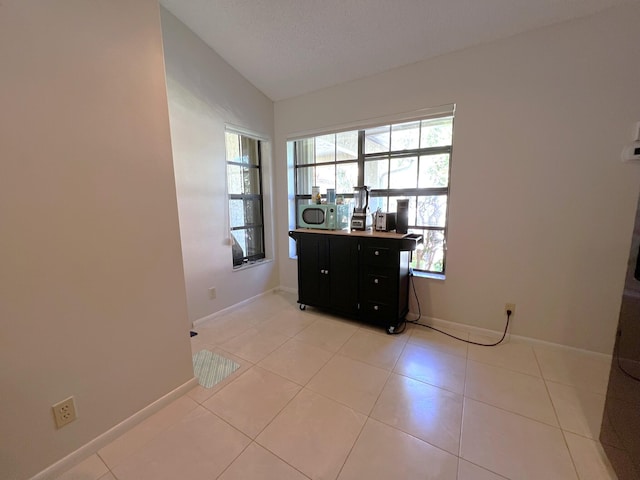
x=417 y=320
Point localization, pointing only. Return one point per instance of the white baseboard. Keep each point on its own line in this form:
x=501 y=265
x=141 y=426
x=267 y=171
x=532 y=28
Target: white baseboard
x=231 y=308
x=433 y=321
x=438 y=322
x=110 y=435
x=288 y=290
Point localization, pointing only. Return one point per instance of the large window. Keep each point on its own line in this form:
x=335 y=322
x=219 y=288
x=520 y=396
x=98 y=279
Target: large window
x=409 y=160
x=244 y=185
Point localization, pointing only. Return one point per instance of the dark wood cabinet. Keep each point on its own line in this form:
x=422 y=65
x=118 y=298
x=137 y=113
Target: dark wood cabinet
x=364 y=275
x=384 y=280
x=328 y=272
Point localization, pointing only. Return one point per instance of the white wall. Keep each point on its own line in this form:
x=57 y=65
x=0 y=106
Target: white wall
x=205 y=94
x=92 y=298
x=541 y=207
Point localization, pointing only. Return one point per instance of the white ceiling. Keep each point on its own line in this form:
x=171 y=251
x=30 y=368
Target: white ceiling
x=291 y=47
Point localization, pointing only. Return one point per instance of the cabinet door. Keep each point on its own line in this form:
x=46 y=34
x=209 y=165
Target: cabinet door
x=312 y=281
x=343 y=274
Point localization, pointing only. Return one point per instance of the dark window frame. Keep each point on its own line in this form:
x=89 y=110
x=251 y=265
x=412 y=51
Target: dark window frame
x=386 y=193
x=247 y=198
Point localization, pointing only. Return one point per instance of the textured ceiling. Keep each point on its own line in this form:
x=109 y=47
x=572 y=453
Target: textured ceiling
x=291 y=47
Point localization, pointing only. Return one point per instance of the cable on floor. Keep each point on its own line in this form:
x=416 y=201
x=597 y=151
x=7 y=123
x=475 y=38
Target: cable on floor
x=417 y=322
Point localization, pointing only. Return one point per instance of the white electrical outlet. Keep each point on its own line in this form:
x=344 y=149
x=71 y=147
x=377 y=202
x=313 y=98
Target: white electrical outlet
x=510 y=306
x=64 y=412
x=212 y=293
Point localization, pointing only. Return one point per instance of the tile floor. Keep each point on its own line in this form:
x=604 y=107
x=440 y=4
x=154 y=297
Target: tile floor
x=318 y=397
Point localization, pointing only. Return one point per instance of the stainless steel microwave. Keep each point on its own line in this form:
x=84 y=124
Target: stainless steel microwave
x=327 y=216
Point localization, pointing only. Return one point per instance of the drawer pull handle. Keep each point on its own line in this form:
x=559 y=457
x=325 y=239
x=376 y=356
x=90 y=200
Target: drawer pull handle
x=375 y=307
x=321 y=271
x=375 y=280
x=376 y=252
x=326 y=272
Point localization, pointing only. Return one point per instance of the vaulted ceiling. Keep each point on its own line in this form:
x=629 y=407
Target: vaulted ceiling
x=291 y=47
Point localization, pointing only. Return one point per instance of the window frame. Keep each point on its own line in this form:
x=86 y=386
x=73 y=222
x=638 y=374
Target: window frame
x=261 y=255
x=387 y=193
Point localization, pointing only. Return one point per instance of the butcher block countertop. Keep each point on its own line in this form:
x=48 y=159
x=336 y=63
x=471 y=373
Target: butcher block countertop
x=356 y=233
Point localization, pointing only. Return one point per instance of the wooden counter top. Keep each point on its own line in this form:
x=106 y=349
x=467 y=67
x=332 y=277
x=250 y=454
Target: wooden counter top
x=354 y=233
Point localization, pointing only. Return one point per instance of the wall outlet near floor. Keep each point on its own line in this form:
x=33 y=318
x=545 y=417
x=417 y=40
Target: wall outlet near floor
x=212 y=293
x=64 y=412
x=510 y=306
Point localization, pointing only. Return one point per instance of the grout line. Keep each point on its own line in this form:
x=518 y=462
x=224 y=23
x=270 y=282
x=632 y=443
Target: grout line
x=158 y=433
x=564 y=438
x=280 y=458
x=395 y=364
x=464 y=397
x=413 y=436
x=346 y=458
x=400 y=374
x=235 y=458
x=555 y=412
x=502 y=367
x=480 y=466
x=390 y=372
x=464 y=404
x=557 y=427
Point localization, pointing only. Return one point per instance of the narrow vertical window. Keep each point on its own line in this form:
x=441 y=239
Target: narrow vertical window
x=244 y=186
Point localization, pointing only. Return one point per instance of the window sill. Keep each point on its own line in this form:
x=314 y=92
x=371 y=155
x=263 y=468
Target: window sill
x=249 y=265
x=432 y=276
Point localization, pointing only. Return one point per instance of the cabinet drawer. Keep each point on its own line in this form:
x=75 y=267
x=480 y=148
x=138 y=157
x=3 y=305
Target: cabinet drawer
x=376 y=310
x=381 y=285
x=380 y=256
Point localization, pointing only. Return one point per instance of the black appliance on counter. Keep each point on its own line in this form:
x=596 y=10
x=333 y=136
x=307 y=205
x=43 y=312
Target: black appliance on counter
x=361 y=218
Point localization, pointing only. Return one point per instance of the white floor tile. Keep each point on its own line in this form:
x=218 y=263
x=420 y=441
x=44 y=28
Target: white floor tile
x=327 y=334
x=382 y=452
x=510 y=390
x=296 y=360
x=350 y=382
x=513 y=446
x=267 y=305
x=511 y=355
x=429 y=413
x=433 y=367
x=254 y=344
x=589 y=458
x=198 y=447
x=251 y=401
x=257 y=463
x=221 y=329
x=93 y=468
x=374 y=349
x=108 y=476
x=428 y=338
x=469 y=471
x=313 y=434
x=585 y=370
x=579 y=411
x=140 y=435
x=308 y=380
x=288 y=322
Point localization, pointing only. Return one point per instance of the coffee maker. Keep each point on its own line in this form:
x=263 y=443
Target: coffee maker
x=361 y=218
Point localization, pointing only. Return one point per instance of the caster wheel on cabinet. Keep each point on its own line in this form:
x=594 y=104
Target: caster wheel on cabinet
x=302 y=307
x=391 y=330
